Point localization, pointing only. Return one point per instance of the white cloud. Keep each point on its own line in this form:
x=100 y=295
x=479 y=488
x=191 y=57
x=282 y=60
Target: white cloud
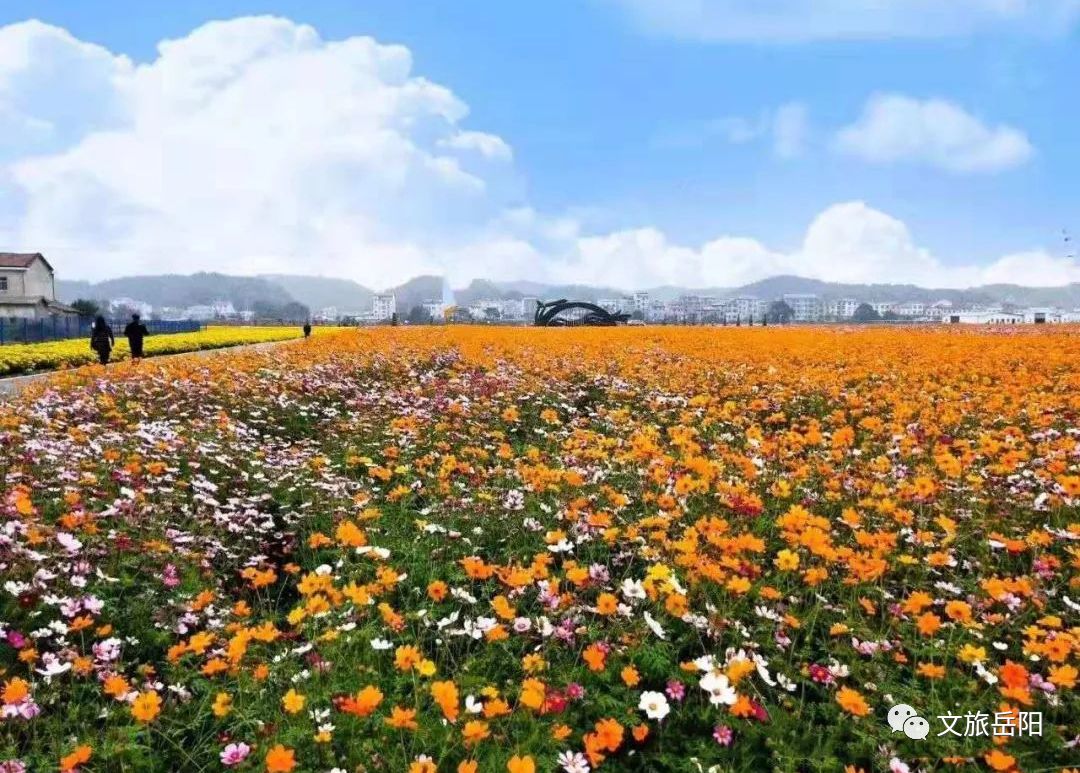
x=936 y=133
x=487 y=145
x=849 y=242
x=793 y=21
x=787 y=126
x=254 y=145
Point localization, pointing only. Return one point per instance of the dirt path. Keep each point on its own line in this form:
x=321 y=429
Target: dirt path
x=14 y=385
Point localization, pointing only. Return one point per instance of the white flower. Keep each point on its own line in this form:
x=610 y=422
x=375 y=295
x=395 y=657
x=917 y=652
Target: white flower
x=719 y=688
x=633 y=589
x=655 y=626
x=472 y=705
x=573 y=762
x=654 y=704
x=381 y=644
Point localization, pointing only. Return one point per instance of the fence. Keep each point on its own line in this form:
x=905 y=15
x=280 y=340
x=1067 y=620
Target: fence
x=24 y=331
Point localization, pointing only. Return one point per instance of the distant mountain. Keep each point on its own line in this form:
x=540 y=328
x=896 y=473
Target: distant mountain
x=554 y=291
x=1067 y=296
x=180 y=291
x=319 y=292
x=483 y=289
x=417 y=290
x=350 y=297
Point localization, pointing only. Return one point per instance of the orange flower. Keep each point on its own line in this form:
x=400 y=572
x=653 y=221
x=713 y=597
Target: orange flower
x=116 y=687
x=475 y=731
x=15 y=691
x=146 y=707
x=852 y=702
x=402 y=718
x=363 y=703
x=1064 y=676
x=630 y=676
x=521 y=765
x=640 y=733
x=468 y=766
x=609 y=733
x=928 y=623
x=595 y=657
x=1013 y=675
x=532 y=693
x=960 y=611
x=607 y=604
x=280 y=760
x=742 y=707
x=931 y=670
x=80 y=756
x=999 y=760
x=406 y=657
x=446 y=697
x=437 y=590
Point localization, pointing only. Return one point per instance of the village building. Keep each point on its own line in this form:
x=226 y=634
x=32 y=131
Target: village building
x=28 y=288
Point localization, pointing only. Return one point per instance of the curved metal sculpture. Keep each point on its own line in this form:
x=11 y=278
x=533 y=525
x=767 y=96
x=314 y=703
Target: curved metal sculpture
x=561 y=313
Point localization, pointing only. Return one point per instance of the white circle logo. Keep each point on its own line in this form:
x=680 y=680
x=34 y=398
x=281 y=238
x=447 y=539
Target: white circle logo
x=899 y=714
x=916 y=728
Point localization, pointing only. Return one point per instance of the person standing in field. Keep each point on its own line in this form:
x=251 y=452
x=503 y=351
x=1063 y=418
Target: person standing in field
x=101 y=339
x=307 y=330
x=135 y=332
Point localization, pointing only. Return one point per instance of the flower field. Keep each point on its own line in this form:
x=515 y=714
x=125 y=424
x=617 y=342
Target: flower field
x=50 y=355
x=483 y=549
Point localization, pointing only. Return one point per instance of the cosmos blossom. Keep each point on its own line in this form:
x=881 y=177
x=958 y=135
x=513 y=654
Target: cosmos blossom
x=461 y=546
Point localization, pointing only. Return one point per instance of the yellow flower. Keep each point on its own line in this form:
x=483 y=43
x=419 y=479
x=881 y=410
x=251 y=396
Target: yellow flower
x=786 y=560
x=222 y=704
x=293 y=702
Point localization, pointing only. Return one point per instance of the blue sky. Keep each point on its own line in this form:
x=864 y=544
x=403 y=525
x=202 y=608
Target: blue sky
x=619 y=123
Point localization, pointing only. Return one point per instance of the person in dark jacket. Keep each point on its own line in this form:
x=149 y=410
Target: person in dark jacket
x=102 y=340
x=307 y=329
x=135 y=332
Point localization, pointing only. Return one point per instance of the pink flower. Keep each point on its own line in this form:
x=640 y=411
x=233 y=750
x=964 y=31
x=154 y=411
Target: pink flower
x=234 y=754
x=723 y=735
x=675 y=690
x=575 y=691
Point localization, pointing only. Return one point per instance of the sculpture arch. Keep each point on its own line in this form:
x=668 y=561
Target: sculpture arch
x=564 y=313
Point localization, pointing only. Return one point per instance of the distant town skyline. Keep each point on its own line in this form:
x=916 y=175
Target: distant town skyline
x=624 y=143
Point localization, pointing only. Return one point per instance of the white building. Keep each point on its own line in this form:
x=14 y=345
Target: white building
x=28 y=288
x=884 y=307
x=911 y=309
x=327 y=314
x=434 y=309
x=982 y=318
x=1042 y=316
x=528 y=307
x=845 y=308
x=745 y=307
x=384 y=305
x=806 y=307
x=641 y=303
x=223 y=309
x=200 y=312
